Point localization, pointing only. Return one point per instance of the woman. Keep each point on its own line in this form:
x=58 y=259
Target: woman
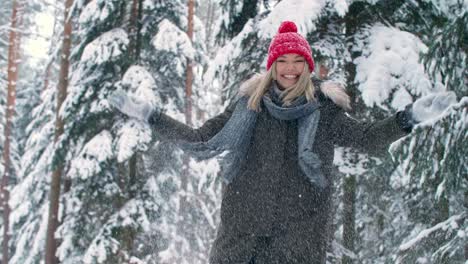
x=281 y=135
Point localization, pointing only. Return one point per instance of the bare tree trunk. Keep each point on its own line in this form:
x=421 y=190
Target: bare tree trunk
x=189 y=72
x=47 y=75
x=466 y=206
x=352 y=23
x=134 y=29
x=188 y=119
x=349 y=193
x=349 y=211
x=13 y=63
x=54 y=195
x=188 y=88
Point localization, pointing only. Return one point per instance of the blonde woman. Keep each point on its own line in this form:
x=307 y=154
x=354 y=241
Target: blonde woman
x=280 y=136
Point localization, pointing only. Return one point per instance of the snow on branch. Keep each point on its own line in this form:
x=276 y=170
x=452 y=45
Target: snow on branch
x=106 y=47
x=390 y=69
x=287 y=10
x=450 y=224
x=96 y=13
x=88 y=77
x=132 y=136
x=131 y=216
x=171 y=38
x=96 y=152
x=444 y=137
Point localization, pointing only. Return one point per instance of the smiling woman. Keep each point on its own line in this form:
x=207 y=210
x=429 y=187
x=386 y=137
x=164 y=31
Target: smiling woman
x=279 y=138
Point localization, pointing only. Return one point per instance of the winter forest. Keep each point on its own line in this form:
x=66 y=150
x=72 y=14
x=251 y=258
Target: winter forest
x=82 y=183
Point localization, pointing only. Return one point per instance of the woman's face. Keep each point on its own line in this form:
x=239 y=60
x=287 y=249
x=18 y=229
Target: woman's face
x=289 y=68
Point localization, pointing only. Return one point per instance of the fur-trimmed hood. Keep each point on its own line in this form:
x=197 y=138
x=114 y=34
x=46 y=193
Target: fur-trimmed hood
x=330 y=89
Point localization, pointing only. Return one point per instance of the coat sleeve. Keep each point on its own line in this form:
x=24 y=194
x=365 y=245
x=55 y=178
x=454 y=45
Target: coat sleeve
x=170 y=129
x=373 y=138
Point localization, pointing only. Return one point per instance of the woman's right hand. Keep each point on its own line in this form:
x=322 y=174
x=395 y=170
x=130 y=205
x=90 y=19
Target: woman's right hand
x=125 y=104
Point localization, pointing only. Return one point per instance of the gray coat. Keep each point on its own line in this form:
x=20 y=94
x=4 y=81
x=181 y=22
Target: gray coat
x=270 y=212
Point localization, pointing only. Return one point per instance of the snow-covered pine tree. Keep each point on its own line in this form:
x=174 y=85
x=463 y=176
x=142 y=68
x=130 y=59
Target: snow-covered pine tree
x=32 y=68
x=398 y=81
x=181 y=236
x=208 y=11
x=121 y=208
x=363 y=183
x=27 y=98
x=5 y=11
x=240 y=38
x=388 y=58
x=57 y=171
x=5 y=15
x=234 y=15
x=24 y=96
x=418 y=205
x=29 y=195
x=434 y=187
x=9 y=146
x=165 y=48
x=100 y=215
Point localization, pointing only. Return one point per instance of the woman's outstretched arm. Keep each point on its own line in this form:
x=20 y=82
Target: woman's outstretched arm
x=171 y=129
x=373 y=138
x=167 y=127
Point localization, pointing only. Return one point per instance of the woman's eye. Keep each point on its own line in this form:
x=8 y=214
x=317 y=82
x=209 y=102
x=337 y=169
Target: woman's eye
x=299 y=61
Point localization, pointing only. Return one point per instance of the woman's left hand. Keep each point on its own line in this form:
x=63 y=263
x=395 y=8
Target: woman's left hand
x=432 y=105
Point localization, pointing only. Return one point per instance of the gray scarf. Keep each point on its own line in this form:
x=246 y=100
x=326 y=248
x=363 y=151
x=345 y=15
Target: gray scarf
x=230 y=145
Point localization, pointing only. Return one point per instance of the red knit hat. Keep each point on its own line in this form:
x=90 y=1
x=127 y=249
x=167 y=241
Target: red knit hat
x=289 y=41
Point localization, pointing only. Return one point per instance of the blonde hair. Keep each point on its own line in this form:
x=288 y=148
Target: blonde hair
x=304 y=86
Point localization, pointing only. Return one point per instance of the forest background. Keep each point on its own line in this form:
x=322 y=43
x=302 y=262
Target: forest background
x=81 y=183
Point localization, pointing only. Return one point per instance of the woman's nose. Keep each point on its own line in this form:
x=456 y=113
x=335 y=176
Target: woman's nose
x=291 y=66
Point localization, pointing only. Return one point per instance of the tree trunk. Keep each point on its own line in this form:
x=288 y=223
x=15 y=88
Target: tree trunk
x=353 y=20
x=188 y=88
x=349 y=189
x=47 y=75
x=183 y=207
x=128 y=176
x=13 y=63
x=134 y=29
x=189 y=72
x=466 y=206
x=349 y=211
x=54 y=195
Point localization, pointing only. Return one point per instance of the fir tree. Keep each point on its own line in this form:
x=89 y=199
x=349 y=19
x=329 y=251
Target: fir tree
x=29 y=195
x=401 y=79
x=183 y=236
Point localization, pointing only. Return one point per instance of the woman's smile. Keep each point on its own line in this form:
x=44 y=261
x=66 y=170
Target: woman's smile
x=291 y=77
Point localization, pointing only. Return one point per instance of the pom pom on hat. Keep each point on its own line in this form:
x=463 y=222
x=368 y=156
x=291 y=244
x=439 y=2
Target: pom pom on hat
x=289 y=41
x=287 y=26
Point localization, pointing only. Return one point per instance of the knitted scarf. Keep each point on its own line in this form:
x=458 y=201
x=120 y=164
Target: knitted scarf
x=230 y=145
